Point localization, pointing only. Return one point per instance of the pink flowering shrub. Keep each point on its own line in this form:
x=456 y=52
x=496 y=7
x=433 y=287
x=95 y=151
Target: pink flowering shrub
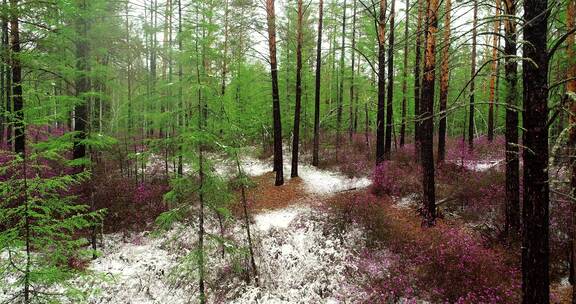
x=396 y=179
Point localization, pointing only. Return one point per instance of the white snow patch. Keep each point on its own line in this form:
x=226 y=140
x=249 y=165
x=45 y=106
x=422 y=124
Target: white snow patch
x=479 y=166
x=406 y=202
x=277 y=218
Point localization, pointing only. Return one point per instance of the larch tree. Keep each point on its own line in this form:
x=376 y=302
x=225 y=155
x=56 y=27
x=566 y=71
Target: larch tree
x=493 y=76
x=82 y=83
x=390 y=89
x=278 y=162
x=352 y=120
x=444 y=83
x=340 y=105
x=535 y=211
x=297 y=108
x=427 y=113
x=571 y=89
x=16 y=81
x=471 y=114
x=381 y=82
x=512 y=219
x=317 y=88
x=417 y=81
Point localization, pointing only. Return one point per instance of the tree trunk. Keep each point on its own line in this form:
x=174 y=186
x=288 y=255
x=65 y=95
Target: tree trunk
x=444 y=83
x=278 y=163
x=405 y=76
x=17 y=98
x=381 y=83
x=82 y=82
x=341 y=87
x=316 y=147
x=512 y=224
x=390 y=92
x=427 y=113
x=296 y=135
x=571 y=87
x=472 y=76
x=535 y=213
x=417 y=92
x=352 y=84
x=494 y=72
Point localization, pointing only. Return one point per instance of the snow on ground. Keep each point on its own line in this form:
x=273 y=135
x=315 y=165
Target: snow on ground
x=480 y=165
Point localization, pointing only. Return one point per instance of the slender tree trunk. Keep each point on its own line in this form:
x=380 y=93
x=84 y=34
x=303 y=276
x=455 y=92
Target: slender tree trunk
x=341 y=87
x=494 y=72
x=390 y=92
x=381 y=83
x=417 y=93
x=512 y=221
x=7 y=98
x=296 y=136
x=535 y=213
x=472 y=75
x=278 y=165
x=82 y=82
x=318 y=79
x=427 y=113
x=444 y=83
x=405 y=76
x=571 y=87
x=17 y=98
x=352 y=84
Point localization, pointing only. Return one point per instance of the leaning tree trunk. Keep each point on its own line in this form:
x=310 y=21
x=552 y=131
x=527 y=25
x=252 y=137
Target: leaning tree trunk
x=405 y=76
x=427 y=113
x=444 y=83
x=512 y=221
x=535 y=213
x=278 y=163
x=417 y=89
x=316 y=147
x=472 y=78
x=390 y=92
x=494 y=72
x=17 y=98
x=381 y=83
x=296 y=135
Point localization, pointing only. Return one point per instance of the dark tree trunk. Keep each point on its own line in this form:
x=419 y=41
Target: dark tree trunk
x=472 y=75
x=341 y=86
x=405 y=76
x=444 y=83
x=535 y=213
x=512 y=224
x=417 y=67
x=278 y=162
x=351 y=126
x=494 y=72
x=390 y=92
x=427 y=113
x=381 y=83
x=296 y=137
x=571 y=87
x=316 y=147
x=17 y=98
x=82 y=84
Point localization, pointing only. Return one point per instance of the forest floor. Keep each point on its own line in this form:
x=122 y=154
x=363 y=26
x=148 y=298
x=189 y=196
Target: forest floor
x=301 y=256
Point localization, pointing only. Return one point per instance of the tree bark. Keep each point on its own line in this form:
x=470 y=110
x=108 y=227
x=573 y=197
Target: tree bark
x=444 y=83
x=316 y=147
x=417 y=67
x=278 y=162
x=427 y=113
x=535 y=213
x=494 y=72
x=472 y=76
x=381 y=83
x=17 y=98
x=296 y=135
x=512 y=224
x=390 y=91
x=351 y=125
x=82 y=82
x=341 y=86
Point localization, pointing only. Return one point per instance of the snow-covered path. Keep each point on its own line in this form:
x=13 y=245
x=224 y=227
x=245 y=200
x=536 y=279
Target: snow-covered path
x=301 y=256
